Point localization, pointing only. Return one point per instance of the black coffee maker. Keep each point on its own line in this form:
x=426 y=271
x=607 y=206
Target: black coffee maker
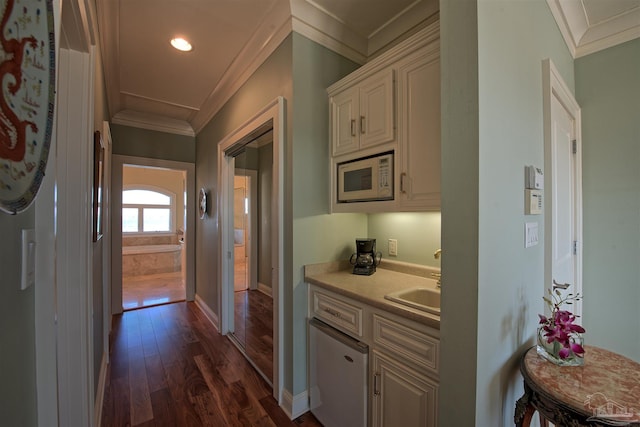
x=366 y=258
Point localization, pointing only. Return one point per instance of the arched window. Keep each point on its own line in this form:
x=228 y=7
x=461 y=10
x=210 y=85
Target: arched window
x=148 y=210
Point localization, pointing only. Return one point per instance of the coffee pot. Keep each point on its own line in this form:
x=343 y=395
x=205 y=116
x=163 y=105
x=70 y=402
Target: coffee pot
x=366 y=259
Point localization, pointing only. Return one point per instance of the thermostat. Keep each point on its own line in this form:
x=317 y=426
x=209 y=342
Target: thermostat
x=532 y=202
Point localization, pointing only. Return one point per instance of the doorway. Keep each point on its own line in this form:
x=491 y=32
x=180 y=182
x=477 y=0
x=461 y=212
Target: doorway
x=251 y=212
x=153 y=236
x=172 y=248
x=563 y=185
x=249 y=139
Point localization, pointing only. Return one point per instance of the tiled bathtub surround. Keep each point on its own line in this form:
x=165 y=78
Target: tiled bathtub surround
x=142 y=255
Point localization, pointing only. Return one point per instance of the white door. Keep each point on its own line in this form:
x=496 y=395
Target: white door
x=563 y=178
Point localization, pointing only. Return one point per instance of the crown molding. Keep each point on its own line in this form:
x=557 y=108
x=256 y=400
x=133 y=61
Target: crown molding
x=152 y=122
x=108 y=13
x=582 y=38
x=275 y=27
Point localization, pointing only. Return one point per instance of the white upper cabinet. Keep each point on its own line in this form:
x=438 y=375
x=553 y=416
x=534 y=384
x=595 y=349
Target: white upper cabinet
x=392 y=104
x=419 y=131
x=363 y=116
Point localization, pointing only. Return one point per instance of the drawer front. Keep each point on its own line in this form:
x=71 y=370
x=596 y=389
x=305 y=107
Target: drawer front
x=401 y=340
x=338 y=313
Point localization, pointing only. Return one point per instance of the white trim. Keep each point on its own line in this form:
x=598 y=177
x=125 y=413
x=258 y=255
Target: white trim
x=106 y=238
x=102 y=380
x=276 y=28
x=583 y=38
x=273 y=113
x=555 y=87
x=208 y=313
x=265 y=289
x=294 y=406
x=116 y=222
x=153 y=122
x=73 y=242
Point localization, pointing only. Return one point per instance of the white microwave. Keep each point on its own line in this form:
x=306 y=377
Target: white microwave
x=366 y=180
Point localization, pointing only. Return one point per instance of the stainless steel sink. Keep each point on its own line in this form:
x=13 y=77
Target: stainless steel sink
x=425 y=299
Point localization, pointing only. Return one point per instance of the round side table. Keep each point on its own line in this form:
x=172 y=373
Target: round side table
x=603 y=392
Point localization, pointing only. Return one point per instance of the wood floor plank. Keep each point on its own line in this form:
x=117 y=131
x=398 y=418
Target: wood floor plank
x=155 y=373
x=170 y=367
x=140 y=398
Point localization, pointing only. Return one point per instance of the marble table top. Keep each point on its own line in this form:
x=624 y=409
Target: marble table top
x=607 y=386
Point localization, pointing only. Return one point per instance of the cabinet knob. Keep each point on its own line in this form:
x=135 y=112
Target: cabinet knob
x=403 y=175
x=362 y=127
x=376 y=390
x=353 y=127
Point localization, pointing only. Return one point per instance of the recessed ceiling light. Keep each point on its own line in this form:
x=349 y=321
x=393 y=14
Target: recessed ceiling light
x=181 y=44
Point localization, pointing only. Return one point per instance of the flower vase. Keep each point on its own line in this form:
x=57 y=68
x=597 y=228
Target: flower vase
x=551 y=350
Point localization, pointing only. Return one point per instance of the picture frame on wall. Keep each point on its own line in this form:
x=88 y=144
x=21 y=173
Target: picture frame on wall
x=98 y=184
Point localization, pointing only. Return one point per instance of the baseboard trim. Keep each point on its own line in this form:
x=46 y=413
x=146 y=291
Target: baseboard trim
x=265 y=289
x=294 y=406
x=102 y=380
x=208 y=313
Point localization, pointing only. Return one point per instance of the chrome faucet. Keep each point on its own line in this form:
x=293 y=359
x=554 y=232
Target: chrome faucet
x=438 y=276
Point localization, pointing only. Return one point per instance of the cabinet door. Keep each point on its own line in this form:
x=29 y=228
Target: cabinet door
x=419 y=132
x=344 y=126
x=401 y=396
x=376 y=122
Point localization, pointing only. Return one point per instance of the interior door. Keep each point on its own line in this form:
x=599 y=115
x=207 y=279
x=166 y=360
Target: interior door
x=563 y=177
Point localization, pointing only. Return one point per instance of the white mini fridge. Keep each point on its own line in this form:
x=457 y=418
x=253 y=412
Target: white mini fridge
x=337 y=376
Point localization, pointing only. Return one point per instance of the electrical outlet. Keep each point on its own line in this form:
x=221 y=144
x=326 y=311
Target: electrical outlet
x=393 y=247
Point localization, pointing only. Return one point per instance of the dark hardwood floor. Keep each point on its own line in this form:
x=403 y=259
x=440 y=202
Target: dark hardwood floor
x=254 y=328
x=170 y=367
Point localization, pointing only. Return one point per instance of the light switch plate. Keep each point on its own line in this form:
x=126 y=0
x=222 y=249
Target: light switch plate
x=530 y=234
x=28 y=276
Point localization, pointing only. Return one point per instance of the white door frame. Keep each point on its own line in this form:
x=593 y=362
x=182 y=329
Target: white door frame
x=116 y=222
x=554 y=87
x=273 y=113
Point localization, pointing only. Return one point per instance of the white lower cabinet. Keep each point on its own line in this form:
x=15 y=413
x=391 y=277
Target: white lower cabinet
x=401 y=396
x=403 y=358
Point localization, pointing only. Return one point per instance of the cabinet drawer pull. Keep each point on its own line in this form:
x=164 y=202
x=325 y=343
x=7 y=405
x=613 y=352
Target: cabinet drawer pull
x=332 y=312
x=403 y=175
x=362 y=124
x=353 y=127
x=376 y=390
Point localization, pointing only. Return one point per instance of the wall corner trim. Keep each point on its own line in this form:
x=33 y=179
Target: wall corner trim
x=294 y=406
x=206 y=310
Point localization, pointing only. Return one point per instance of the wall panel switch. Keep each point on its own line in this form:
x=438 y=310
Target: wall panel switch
x=28 y=276
x=393 y=247
x=530 y=234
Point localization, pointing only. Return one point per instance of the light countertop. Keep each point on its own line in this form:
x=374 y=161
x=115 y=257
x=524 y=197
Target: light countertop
x=389 y=277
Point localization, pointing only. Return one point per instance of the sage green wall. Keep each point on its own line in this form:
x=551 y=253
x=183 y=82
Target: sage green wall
x=608 y=91
x=489 y=134
x=130 y=141
x=417 y=233
x=270 y=80
x=317 y=236
x=513 y=39
x=18 y=405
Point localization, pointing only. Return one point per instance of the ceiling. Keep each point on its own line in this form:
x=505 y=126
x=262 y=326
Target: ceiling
x=592 y=25
x=151 y=85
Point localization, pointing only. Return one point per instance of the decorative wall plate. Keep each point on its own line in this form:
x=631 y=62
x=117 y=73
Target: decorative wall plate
x=27 y=99
x=202 y=203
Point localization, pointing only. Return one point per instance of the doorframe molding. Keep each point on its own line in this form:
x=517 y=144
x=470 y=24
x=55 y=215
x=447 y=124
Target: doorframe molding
x=116 y=222
x=274 y=114
x=554 y=86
